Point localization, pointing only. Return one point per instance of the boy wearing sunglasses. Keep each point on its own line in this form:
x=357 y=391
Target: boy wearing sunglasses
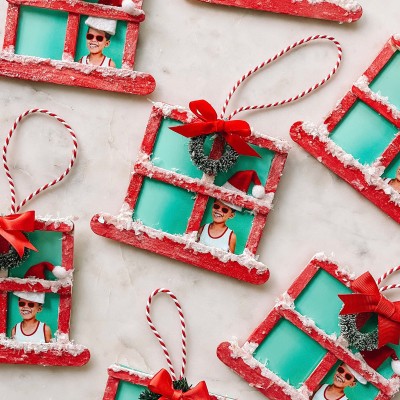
x=97 y=41
x=217 y=234
x=344 y=377
x=31 y=329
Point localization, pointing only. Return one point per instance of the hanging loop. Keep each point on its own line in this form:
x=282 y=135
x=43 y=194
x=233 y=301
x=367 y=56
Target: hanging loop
x=158 y=336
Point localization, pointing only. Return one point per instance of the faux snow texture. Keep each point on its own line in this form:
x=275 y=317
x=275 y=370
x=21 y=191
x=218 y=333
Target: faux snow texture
x=12 y=259
x=361 y=341
x=180 y=384
x=207 y=165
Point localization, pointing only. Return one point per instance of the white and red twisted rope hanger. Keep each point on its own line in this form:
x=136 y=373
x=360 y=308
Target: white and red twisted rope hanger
x=158 y=336
x=15 y=208
x=386 y=275
x=271 y=60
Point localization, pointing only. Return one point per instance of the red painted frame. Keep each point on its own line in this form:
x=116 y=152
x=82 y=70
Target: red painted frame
x=65 y=71
x=318 y=146
x=118 y=373
x=52 y=356
x=335 y=351
x=300 y=8
x=174 y=246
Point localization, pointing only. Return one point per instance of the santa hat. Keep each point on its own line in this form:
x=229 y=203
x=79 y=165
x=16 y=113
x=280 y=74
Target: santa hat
x=37 y=271
x=109 y=25
x=375 y=358
x=240 y=183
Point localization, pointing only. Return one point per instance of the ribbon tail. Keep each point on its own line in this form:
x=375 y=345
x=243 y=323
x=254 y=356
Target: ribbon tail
x=388 y=331
x=357 y=303
x=18 y=240
x=240 y=146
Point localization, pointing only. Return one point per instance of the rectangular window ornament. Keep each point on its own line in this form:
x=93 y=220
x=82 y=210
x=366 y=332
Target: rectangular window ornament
x=301 y=350
x=332 y=10
x=171 y=207
x=74 y=42
x=360 y=140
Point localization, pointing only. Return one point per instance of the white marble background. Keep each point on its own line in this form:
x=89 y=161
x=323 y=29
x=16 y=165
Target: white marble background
x=186 y=44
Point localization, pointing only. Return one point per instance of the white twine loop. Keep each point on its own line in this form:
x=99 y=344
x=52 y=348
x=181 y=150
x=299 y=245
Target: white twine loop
x=384 y=276
x=274 y=58
x=158 y=336
x=14 y=207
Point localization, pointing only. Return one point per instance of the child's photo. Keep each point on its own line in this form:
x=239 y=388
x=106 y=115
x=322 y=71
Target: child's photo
x=31 y=329
x=345 y=377
x=395 y=182
x=217 y=233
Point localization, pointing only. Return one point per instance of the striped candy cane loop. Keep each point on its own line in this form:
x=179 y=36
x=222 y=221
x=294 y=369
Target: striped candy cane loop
x=384 y=276
x=14 y=207
x=158 y=336
x=274 y=58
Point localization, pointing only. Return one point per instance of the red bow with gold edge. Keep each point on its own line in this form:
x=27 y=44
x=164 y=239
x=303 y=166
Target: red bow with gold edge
x=162 y=384
x=368 y=299
x=233 y=132
x=12 y=226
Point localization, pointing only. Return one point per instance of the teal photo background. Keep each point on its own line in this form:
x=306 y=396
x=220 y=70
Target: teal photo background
x=116 y=48
x=129 y=391
x=289 y=353
x=240 y=224
x=387 y=81
x=49 y=245
x=164 y=207
x=41 y=32
x=363 y=133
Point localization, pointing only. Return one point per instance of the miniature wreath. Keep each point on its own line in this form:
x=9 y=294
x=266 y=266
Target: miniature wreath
x=180 y=384
x=362 y=341
x=11 y=259
x=206 y=164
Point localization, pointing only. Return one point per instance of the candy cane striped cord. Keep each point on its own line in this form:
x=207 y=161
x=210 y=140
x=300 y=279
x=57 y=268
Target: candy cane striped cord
x=15 y=208
x=158 y=336
x=274 y=58
x=384 y=276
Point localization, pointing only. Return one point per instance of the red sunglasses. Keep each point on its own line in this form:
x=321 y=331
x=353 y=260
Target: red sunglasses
x=90 y=36
x=223 y=209
x=30 y=304
x=348 y=376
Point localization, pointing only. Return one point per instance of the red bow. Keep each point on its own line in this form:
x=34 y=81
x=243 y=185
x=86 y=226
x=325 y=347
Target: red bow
x=12 y=226
x=368 y=299
x=162 y=384
x=232 y=131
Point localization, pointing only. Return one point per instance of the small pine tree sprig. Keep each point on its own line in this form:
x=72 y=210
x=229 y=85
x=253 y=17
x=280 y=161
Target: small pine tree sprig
x=180 y=384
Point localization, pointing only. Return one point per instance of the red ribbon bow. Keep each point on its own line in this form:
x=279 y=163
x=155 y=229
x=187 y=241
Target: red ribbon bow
x=369 y=299
x=233 y=132
x=161 y=383
x=12 y=226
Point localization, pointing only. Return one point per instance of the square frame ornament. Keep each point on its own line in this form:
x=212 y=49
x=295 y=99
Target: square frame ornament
x=332 y=10
x=66 y=71
x=185 y=247
x=299 y=325
x=122 y=378
x=366 y=99
x=61 y=351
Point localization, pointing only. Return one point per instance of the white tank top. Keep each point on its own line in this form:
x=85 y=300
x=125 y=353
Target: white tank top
x=105 y=63
x=220 y=242
x=35 y=337
x=320 y=395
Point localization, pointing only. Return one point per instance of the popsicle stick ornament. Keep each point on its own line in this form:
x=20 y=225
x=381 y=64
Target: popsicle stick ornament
x=125 y=383
x=332 y=10
x=189 y=196
x=300 y=351
x=75 y=43
x=359 y=139
x=36 y=268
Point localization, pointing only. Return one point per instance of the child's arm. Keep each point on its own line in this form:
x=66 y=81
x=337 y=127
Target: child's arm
x=199 y=233
x=13 y=332
x=47 y=333
x=112 y=64
x=232 y=242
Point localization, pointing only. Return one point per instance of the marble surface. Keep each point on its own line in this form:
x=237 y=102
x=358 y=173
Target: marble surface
x=194 y=50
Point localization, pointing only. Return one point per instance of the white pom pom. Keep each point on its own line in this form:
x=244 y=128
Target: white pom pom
x=59 y=272
x=396 y=366
x=258 y=191
x=129 y=7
